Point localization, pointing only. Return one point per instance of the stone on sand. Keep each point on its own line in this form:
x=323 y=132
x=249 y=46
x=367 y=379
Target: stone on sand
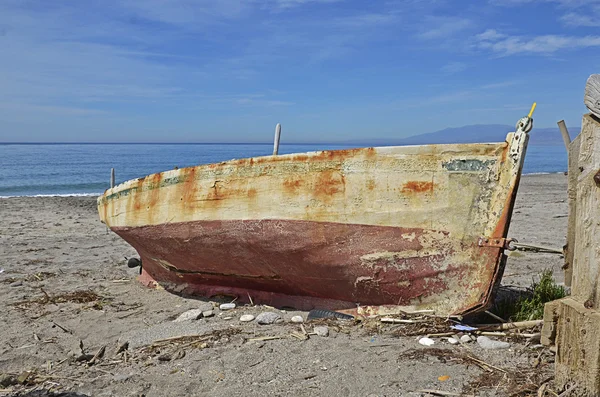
x=297 y=319
x=267 y=318
x=190 y=315
x=246 y=318
x=491 y=344
x=322 y=330
x=466 y=338
x=227 y=306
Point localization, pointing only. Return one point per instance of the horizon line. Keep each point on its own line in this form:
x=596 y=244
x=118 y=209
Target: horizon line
x=170 y=143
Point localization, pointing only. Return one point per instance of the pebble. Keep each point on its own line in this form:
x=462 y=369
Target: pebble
x=208 y=313
x=246 y=318
x=267 y=318
x=297 y=319
x=16 y=284
x=453 y=341
x=190 y=315
x=322 y=330
x=466 y=338
x=227 y=306
x=426 y=341
x=491 y=344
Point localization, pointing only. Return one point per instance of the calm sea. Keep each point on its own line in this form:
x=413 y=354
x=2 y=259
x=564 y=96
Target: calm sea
x=73 y=169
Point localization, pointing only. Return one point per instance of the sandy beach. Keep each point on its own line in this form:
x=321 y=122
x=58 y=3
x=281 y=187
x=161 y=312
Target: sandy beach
x=64 y=283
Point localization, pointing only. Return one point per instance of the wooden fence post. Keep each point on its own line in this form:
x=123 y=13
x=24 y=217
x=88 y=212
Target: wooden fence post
x=573 y=176
x=574 y=322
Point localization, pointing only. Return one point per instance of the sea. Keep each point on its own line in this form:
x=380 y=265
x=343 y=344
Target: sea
x=84 y=169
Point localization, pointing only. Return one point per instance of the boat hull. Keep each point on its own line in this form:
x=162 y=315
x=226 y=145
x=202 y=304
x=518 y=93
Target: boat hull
x=347 y=263
x=363 y=230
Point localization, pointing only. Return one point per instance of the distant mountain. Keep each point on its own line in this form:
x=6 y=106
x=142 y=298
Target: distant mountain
x=473 y=134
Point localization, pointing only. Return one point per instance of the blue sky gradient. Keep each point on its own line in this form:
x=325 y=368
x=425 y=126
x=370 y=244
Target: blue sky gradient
x=328 y=70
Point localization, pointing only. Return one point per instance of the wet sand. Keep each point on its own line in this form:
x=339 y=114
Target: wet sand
x=64 y=280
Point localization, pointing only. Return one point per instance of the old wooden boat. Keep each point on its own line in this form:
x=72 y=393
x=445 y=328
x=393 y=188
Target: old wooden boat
x=371 y=230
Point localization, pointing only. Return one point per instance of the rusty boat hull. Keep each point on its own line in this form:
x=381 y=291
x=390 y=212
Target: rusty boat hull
x=371 y=230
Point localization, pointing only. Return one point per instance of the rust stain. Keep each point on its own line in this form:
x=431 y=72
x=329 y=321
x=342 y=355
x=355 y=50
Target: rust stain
x=136 y=198
x=370 y=184
x=292 y=185
x=189 y=186
x=417 y=187
x=330 y=155
x=251 y=193
x=155 y=192
x=329 y=183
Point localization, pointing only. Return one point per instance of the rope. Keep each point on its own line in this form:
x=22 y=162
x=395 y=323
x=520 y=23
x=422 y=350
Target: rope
x=537 y=248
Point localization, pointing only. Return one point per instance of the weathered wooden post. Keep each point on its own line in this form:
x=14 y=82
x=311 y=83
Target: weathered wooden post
x=276 y=142
x=573 y=173
x=112 y=178
x=573 y=323
x=565 y=133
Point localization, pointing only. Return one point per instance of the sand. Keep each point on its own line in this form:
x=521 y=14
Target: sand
x=64 y=280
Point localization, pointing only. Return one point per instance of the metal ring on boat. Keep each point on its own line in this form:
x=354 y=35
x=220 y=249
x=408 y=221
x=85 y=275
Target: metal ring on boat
x=508 y=244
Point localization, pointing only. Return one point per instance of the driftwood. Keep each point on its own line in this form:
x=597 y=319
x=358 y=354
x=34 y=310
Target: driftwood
x=591 y=97
x=515 y=325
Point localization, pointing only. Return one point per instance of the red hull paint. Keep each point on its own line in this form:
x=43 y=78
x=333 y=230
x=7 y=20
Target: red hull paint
x=306 y=264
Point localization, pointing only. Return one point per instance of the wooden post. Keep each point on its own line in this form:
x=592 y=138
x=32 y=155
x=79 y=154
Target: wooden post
x=565 y=133
x=574 y=322
x=573 y=176
x=112 y=178
x=277 y=136
x=586 y=269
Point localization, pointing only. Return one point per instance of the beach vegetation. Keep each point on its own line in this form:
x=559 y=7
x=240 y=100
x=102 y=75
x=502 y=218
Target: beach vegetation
x=529 y=304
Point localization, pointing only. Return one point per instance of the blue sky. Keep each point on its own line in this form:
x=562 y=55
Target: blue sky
x=328 y=70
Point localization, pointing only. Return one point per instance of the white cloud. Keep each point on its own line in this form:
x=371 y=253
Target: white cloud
x=501 y=84
x=578 y=12
x=545 y=44
x=589 y=18
x=490 y=35
x=57 y=57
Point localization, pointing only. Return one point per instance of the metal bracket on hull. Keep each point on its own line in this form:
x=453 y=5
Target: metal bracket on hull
x=498 y=242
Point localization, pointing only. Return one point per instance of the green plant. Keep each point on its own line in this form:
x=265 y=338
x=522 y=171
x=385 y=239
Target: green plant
x=530 y=304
